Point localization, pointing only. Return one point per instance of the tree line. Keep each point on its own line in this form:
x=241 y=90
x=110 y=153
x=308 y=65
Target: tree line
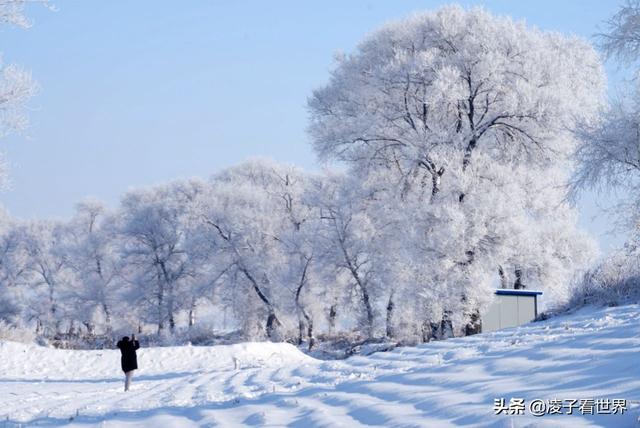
x=448 y=140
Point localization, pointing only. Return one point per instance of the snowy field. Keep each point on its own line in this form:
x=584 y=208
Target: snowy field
x=594 y=353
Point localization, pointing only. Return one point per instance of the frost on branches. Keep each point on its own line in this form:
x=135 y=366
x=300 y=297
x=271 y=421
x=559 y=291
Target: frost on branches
x=609 y=159
x=456 y=128
x=16 y=84
x=463 y=122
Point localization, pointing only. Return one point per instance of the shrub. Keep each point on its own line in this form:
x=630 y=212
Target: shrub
x=16 y=333
x=615 y=281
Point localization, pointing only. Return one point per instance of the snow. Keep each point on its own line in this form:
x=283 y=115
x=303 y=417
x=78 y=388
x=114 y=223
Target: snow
x=592 y=353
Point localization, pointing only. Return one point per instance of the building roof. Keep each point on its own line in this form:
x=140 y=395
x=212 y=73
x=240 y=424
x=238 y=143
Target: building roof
x=513 y=292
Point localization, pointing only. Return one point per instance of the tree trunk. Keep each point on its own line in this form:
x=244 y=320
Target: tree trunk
x=333 y=312
x=444 y=330
x=52 y=306
x=433 y=331
x=90 y=327
x=425 y=330
x=169 y=284
x=160 y=304
x=518 y=285
x=369 y=309
x=474 y=326
x=503 y=278
x=301 y=311
x=467 y=153
x=390 y=309
x=272 y=326
x=107 y=317
x=305 y=327
x=272 y=321
x=436 y=175
x=312 y=340
x=192 y=316
x=363 y=288
x=301 y=330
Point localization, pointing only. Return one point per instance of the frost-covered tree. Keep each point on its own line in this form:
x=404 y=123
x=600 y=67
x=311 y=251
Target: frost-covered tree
x=90 y=247
x=622 y=38
x=613 y=281
x=258 y=224
x=152 y=225
x=16 y=84
x=12 y=13
x=543 y=245
x=351 y=244
x=13 y=271
x=446 y=113
x=16 y=87
x=609 y=159
x=298 y=216
x=50 y=278
x=422 y=96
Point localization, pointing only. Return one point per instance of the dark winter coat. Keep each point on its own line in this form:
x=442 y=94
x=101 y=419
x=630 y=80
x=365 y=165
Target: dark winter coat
x=129 y=360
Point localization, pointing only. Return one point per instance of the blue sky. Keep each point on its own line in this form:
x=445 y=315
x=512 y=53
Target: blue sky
x=137 y=93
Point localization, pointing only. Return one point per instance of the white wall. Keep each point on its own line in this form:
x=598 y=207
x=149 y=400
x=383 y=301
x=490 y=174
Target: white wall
x=508 y=311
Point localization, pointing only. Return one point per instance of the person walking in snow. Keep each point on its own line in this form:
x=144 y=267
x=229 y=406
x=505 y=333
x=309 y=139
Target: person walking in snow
x=129 y=359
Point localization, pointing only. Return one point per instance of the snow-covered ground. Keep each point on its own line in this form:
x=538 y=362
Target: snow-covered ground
x=594 y=353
